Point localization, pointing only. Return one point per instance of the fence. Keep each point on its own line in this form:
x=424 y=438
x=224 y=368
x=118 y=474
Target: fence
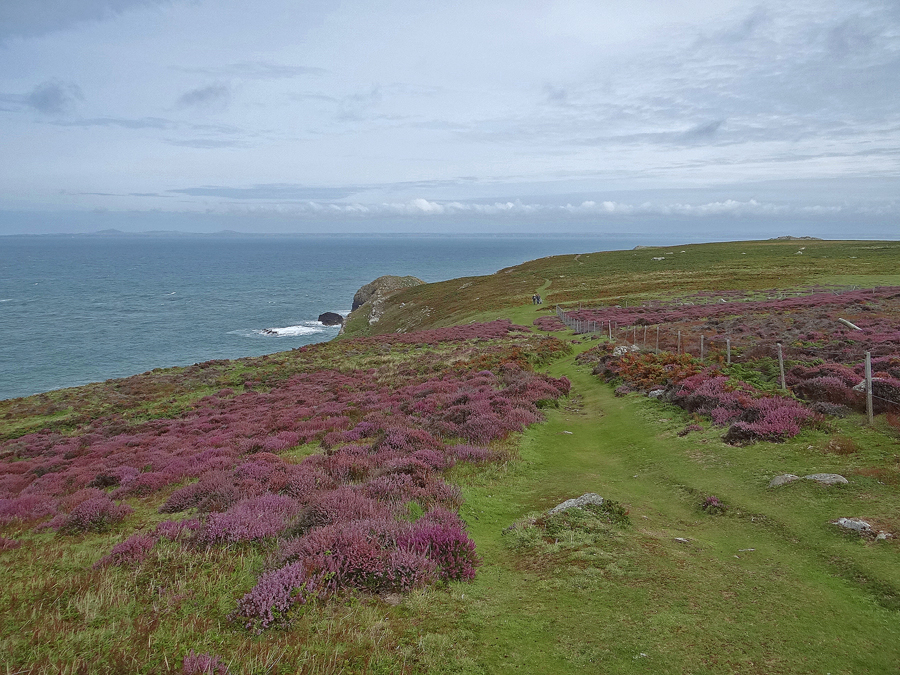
x=637 y=336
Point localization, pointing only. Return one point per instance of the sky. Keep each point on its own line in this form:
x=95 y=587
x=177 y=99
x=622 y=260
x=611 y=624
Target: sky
x=723 y=119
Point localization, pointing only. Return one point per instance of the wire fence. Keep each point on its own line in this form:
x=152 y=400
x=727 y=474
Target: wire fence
x=720 y=349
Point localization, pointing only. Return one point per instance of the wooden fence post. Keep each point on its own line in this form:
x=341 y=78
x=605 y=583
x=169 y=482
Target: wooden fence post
x=781 y=367
x=702 y=351
x=869 y=407
x=657 y=338
x=679 y=342
x=728 y=349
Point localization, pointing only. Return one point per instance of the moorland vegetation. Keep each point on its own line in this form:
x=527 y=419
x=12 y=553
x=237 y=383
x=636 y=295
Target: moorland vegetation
x=380 y=503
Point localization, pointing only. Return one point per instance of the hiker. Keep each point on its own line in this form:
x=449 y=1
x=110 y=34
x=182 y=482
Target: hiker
x=533 y=299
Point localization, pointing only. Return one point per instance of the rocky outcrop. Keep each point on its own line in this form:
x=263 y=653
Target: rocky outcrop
x=369 y=300
x=383 y=286
x=577 y=503
x=331 y=319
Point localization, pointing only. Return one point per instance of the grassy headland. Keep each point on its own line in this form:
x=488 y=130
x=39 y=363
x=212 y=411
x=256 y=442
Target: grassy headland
x=662 y=581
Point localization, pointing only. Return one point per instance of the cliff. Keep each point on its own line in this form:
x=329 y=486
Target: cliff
x=369 y=301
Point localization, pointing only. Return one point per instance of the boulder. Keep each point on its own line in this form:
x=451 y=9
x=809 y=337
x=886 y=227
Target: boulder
x=577 y=503
x=827 y=478
x=852 y=524
x=331 y=319
x=783 y=479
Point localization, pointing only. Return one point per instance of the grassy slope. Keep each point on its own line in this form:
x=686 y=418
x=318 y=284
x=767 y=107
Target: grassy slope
x=634 y=275
x=806 y=599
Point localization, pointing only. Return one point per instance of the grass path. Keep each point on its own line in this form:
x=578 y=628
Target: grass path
x=766 y=588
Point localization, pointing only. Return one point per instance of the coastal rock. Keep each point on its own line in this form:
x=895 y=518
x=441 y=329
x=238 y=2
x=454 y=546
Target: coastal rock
x=369 y=301
x=783 y=479
x=577 y=503
x=827 y=478
x=331 y=319
x=383 y=286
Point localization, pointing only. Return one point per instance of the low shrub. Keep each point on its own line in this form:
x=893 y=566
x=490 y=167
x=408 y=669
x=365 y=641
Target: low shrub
x=203 y=664
x=130 y=552
x=96 y=514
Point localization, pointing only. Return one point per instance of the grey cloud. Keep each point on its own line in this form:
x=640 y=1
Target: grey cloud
x=204 y=143
x=29 y=18
x=271 y=191
x=54 y=97
x=210 y=96
x=556 y=95
x=358 y=106
x=746 y=28
x=702 y=132
x=257 y=70
x=142 y=123
x=850 y=38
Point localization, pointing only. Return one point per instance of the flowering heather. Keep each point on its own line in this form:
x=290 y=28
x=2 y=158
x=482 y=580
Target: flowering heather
x=203 y=664
x=176 y=530
x=275 y=593
x=250 y=519
x=9 y=544
x=130 y=552
x=342 y=515
x=96 y=514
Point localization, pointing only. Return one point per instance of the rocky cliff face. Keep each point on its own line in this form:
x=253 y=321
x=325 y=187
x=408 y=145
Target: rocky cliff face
x=369 y=300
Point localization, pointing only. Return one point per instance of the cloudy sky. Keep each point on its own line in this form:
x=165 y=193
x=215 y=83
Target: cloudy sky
x=725 y=117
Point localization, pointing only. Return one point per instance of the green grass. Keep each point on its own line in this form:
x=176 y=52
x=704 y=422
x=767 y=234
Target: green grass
x=616 y=277
x=769 y=586
x=805 y=599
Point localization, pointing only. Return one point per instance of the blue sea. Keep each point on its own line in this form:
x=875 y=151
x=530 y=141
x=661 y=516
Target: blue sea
x=84 y=308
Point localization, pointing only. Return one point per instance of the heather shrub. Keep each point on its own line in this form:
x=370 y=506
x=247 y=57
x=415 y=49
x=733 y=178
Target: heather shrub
x=25 y=508
x=250 y=519
x=447 y=545
x=275 y=593
x=176 y=530
x=712 y=505
x=96 y=514
x=215 y=491
x=203 y=664
x=130 y=552
x=689 y=428
x=472 y=453
x=828 y=389
x=9 y=544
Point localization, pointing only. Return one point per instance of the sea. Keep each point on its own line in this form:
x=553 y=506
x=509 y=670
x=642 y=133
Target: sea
x=76 y=309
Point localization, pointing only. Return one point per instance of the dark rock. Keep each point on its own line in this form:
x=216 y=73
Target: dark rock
x=331 y=319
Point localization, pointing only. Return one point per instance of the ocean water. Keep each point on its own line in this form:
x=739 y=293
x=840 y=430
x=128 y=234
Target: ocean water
x=79 y=309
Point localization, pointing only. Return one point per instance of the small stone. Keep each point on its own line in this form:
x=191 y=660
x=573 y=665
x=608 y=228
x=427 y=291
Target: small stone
x=852 y=524
x=783 y=479
x=577 y=503
x=682 y=540
x=656 y=393
x=883 y=535
x=827 y=478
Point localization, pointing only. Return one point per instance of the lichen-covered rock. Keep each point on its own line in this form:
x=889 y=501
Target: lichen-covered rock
x=856 y=524
x=577 y=503
x=383 y=286
x=783 y=479
x=827 y=478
